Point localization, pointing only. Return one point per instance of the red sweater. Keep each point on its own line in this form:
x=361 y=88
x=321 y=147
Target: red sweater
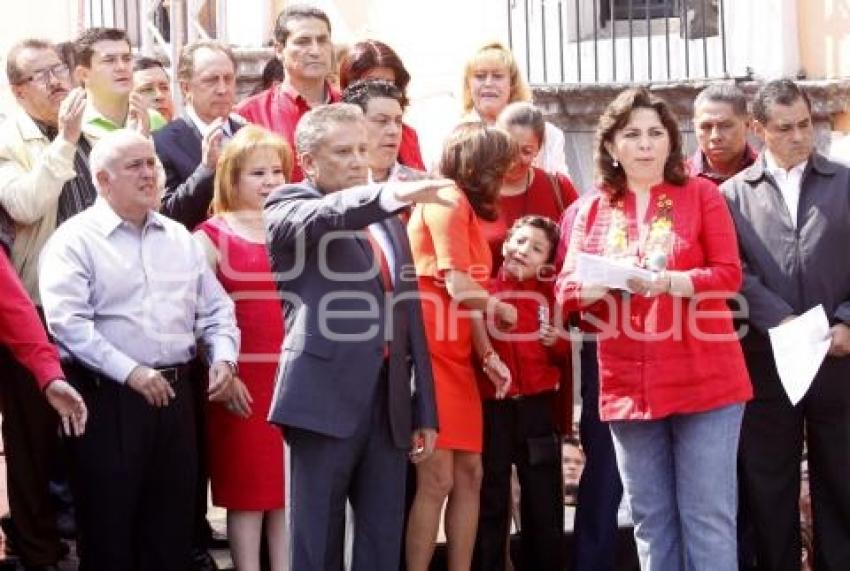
x=534 y=367
x=21 y=329
x=665 y=355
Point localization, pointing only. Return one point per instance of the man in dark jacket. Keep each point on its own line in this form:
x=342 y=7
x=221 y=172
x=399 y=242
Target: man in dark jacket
x=189 y=146
x=792 y=214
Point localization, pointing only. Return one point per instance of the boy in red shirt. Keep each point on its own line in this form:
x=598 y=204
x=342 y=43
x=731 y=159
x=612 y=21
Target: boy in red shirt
x=521 y=371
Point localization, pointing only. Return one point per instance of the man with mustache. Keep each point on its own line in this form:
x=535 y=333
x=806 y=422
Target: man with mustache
x=105 y=69
x=792 y=215
x=44 y=180
x=721 y=122
x=302 y=37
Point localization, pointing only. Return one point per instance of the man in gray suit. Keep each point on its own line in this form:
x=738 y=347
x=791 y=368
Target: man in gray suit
x=792 y=215
x=354 y=339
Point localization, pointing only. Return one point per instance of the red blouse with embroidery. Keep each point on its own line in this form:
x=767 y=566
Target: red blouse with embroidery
x=663 y=355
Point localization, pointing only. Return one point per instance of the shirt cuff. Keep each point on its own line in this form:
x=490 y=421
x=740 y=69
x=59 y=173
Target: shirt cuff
x=223 y=350
x=681 y=284
x=389 y=202
x=118 y=367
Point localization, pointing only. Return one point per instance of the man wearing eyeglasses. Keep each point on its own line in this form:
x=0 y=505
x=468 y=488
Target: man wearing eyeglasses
x=105 y=68
x=44 y=180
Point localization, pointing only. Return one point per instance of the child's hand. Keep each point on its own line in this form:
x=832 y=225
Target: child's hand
x=548 y=334
x=498 y=373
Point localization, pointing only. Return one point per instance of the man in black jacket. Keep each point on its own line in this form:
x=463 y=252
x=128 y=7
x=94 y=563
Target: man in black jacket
x=190 y=145
x=792 y=215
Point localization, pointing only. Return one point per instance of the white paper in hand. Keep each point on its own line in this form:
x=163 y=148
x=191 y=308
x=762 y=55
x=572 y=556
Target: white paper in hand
x=601 y=271
x=799 y=347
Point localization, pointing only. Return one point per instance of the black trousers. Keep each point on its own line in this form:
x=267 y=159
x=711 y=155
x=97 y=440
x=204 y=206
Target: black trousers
x=134 y=475
x=522 y=432
x=770 y=453
x=600 y=489
x=31 y=443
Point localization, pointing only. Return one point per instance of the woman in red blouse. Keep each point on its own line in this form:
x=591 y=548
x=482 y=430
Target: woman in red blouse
x=672 y=375
x=526 y=188
x=371 y=59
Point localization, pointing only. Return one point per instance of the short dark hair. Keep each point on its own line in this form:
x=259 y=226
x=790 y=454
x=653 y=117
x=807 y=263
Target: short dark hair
x=723 y=93
x=186 y=63
x=370 y=54
x=360 y=93
x=547 y=225
x=476 y=158
x=144 y=62
x=296 y=12
x=777 y=92
x=524 y=114
x=13 y=72
x=84 y=45
x=612 y=178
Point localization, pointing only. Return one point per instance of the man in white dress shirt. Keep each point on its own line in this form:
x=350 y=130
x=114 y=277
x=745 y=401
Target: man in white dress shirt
x=126 y=293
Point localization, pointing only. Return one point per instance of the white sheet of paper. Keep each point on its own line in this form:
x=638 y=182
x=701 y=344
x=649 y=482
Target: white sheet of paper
x=799 y=348
x=599 y=270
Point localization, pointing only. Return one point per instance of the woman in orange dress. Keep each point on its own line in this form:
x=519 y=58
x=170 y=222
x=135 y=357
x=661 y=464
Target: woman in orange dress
x=453 y=260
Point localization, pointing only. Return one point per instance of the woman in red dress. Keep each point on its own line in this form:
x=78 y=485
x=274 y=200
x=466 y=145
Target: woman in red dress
x=246 y=452
x=453 y=262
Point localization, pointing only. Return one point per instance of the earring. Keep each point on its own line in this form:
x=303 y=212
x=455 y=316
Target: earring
x=616 y=163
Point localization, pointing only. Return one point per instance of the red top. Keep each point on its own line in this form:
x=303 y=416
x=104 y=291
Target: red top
x=408 y=152
x=664 y=355
x=21 y=329
x=278 y=109
x=534 y=367
x=538 y=199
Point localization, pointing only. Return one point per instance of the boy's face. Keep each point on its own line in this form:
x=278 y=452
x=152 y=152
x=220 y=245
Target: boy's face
x=526 y=252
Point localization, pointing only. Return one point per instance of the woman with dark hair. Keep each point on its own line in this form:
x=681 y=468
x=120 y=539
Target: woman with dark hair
x=372 y=59
x=526 y=189
x=453 y=265
x=673 y=382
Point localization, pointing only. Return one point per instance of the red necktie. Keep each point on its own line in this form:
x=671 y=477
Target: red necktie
x=378 y=252
x=386 y=278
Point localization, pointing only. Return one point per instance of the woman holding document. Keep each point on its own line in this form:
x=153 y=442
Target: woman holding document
x=672 y=375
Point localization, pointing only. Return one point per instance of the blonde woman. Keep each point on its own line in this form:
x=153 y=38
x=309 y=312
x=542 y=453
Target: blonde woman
x=491 y=80
x=245 y=452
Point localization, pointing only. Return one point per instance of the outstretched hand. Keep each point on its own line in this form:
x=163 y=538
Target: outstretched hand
x=70 y=406
x=426 y=191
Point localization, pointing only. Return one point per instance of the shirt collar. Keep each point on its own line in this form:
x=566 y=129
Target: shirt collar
x=287 y=89
x=702 y=168
x=774 y=169
x=91 y=116
x=392 y=174
x=204 y=127
x=107 y=221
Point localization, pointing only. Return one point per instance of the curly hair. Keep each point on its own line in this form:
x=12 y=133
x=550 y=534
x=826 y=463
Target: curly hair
x=612 y=179
x=476 y=158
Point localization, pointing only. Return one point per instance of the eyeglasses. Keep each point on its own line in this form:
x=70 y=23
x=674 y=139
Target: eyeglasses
x=42 y=76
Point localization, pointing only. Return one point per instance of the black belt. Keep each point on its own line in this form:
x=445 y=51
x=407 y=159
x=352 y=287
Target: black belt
x=174 y=373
